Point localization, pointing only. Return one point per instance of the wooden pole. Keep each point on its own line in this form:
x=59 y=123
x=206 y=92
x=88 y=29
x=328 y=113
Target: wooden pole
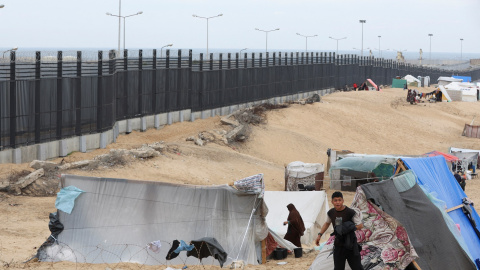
x=264 y=251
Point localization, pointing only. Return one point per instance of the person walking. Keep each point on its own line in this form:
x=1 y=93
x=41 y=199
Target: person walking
x=296 y=227
x=345 y=222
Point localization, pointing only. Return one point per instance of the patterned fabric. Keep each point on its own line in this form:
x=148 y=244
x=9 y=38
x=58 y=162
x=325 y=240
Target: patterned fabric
x=384 y=241
x=251 y=185
x=292 y=182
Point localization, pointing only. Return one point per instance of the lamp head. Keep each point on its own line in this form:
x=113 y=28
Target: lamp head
x=108 y=13
x=220 y=15
x=2 y=6
x=298 y=34
x=277 y=29
x=257 y=29
x=194 y=15
x=363 y=21
x=170 y=45
x=140 y=12
x=14 y=49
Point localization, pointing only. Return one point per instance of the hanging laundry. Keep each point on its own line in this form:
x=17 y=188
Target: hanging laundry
x=183 y=247
x=171 y=254
x=206 y=247
x=155 y=246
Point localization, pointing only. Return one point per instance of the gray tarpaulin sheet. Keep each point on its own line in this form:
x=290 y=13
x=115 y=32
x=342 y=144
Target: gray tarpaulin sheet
x=430 y=236
x=115 y=219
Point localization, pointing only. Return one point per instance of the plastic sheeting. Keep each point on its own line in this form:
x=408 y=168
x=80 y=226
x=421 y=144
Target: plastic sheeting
x=434 y=174
x=114 y=220
x=435 y=245
x=384 y=241
x=299 y=169
x=312 y=206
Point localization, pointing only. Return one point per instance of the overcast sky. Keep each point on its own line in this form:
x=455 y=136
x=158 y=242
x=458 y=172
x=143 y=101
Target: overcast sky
x=403 y=25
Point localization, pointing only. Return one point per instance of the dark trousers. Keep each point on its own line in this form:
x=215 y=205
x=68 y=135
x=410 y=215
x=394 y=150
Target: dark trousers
x=340 y=255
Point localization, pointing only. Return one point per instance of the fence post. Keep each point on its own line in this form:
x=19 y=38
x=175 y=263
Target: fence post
x=100 y=93
x=59 y=94
x=253 y=59
x=245 y=57
x=179 y=59
x=237 y=55
x=201 y=61
x=154 y=81
x=291 y=58
x=13 y=101
x=301 y=55
x=38 y=58
x=220 y=59
x=297 y=59
x=267 y=59
x=261 y=59
x=78 y=96
x=229 y=61
x=286 y=59
x=211 y=61
x=179 y=83
x=280 y=58
x=140 y=84
x=274 y=59
x=167 y=85
x=125 y=87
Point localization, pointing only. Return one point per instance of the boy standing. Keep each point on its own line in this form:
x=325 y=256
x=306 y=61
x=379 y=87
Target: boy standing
x=345 y=222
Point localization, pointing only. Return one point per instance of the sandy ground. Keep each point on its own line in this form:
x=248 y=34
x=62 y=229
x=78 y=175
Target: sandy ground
x=363 y=122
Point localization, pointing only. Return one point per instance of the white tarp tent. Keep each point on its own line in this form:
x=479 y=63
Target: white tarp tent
x=411 y=79
x=467 y=91
x=447 y=80
x=114 y=219
x=312 y=206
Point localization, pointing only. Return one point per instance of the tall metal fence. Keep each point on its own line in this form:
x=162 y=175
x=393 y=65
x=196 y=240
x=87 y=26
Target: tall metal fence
x=46 y=96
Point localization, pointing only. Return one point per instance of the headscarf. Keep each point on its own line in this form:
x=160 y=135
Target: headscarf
x=295 y=219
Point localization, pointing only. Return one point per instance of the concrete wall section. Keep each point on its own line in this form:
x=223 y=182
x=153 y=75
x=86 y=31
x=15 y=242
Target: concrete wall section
x=89 y=142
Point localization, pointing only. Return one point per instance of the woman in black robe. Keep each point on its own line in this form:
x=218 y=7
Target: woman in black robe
x=296 y=227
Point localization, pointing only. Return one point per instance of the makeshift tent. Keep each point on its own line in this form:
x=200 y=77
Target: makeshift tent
x=410 y=79
x=463 y=150
x=350 y=172
x=449 y=158
x=435 y=244
x=306 y=174
x=445 y=95
x=312 y=206
x=466 y=159
x=433 y=173
x=462 y=91
x=463 y=78
x=372 y=86
x=113 y=220
x=384 y=241
x=447 y=80
x=471 y=131
x=398 y=83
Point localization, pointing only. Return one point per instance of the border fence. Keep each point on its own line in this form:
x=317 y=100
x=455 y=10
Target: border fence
x=48 y=96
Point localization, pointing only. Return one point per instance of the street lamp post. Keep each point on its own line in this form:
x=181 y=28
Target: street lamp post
x=12 y=49
x=461 y=48
x=161 y=49
x=362 y=22
x=124 y=17
x=337 y=39
x=207 y=18
x=306 y=40
x=379 y=46
x=430 y=35
x=266 y=36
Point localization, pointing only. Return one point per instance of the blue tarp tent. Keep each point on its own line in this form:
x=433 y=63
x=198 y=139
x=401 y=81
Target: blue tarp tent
x=433 y=173
x=464 y=78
